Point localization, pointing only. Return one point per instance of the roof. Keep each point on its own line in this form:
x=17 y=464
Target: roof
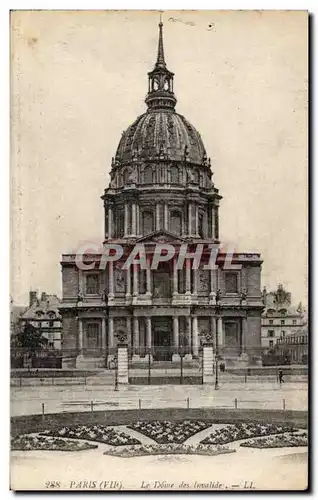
x=161 y=132
x=44 y=309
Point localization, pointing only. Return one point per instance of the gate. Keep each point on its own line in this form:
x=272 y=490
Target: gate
x=161 y=366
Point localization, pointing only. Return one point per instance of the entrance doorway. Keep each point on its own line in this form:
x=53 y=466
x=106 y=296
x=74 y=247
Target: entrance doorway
x=161 y=334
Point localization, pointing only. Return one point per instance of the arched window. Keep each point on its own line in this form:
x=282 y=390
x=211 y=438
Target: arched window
x=174 y=175
x=148 y=175
x=147 y=222
x=176 y=222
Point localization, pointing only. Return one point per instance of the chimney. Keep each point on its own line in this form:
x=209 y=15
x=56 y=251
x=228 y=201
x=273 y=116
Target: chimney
x=32 y=298
x=43 y=297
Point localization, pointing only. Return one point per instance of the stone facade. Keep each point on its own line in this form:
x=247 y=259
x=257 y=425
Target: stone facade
x=161 y=191
x=280 y=318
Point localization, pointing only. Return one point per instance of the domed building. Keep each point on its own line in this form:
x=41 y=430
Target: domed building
x=161 y=191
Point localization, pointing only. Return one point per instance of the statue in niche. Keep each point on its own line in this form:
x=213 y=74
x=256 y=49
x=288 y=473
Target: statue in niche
x=119 y=280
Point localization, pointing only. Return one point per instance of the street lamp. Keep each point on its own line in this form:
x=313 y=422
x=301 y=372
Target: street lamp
x=116 y=373
x=217 y=315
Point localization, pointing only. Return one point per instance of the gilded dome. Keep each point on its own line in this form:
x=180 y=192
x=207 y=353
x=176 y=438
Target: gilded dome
x=161 y=132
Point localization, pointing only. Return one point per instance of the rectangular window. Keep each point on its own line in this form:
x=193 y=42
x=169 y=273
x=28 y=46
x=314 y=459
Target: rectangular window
x=271 y=322
x=92 y=284
x=270 y=333
x=283 y=333
x=271 y=343
x=231 y=282
x=282 y=322
x=294 y=321
x=51 y=323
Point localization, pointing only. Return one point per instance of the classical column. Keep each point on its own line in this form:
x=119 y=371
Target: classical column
x=148 y=332
x=157 y=217
x=195 y=336
x=220 y=332
x=126 y=221
x=244 y=334
x=138 y=220
x=135 y=280
x=80 y=336
x=110 y=333
x=110 y=222
x=166 y=216
x=136 y=335
x=190 y=219
x=175 y=276
x=133 y=219
x=128 y=328
x=213 y=325
x=128 y=282
x=106 y=219
x=188 y=276
x=110 y=279
x=189 y=336
x=148 y=277
x=196 y=220
x=103 y=334
x=212 y=223
x=176 y=334
x=195 y=278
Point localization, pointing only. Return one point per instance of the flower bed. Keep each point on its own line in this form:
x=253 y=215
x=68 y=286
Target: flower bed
x=28 y=443
x=168 y=449
x=99 y=433
x=170 y=432
x=281 y=441
x=235 y=432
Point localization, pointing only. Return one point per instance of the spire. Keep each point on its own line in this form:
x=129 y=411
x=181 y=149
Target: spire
x=160 y=81
x=161 y=56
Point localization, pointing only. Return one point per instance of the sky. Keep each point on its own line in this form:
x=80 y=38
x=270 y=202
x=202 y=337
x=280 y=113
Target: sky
x=79 y=79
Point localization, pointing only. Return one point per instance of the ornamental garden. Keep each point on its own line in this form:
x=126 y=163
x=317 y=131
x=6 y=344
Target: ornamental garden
x=199 y=437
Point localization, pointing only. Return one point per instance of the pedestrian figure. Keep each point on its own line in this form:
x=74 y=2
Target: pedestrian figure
x=280 y=376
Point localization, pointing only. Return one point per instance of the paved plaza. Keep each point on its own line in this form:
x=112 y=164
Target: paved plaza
x=257 y=395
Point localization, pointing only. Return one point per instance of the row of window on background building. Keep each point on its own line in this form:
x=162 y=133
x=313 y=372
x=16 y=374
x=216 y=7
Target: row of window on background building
x=282 y=322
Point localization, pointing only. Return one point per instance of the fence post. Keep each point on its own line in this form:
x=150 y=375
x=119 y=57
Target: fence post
x=188 y=403
x=42 y=411
x=284 y=404
x=139 y=404
x=20 y=381
x=245 y=378
x=92 y=406
x=235 y=403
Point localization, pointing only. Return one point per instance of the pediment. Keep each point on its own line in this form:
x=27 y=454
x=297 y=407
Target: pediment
x=161 y=237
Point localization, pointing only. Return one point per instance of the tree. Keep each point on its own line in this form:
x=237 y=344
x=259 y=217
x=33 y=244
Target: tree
x=31 y=339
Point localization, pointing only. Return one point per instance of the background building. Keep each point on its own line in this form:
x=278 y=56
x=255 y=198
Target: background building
x=43 y=314
x=161 y=190
x=280 y=318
